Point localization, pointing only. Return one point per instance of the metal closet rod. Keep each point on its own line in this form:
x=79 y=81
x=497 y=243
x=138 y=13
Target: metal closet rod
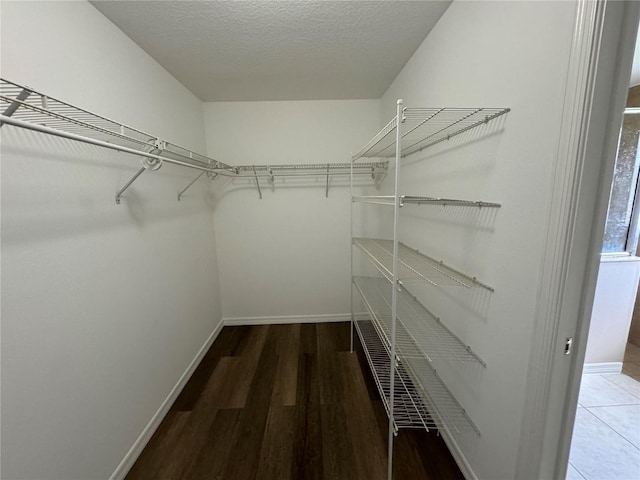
x=236 y=171
x=80 y=138
x=316 y=169
x=244 y=171
x=32 y=110
x=35 y=108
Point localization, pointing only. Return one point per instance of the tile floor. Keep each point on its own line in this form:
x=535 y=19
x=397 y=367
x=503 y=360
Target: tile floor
x=606 y=435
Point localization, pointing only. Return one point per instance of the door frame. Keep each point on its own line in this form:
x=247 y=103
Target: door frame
x=595 y=94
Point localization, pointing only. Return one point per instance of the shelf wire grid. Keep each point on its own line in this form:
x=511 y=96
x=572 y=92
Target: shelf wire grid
x=419 y=333
x=408 y=199
x=409 y=411
x=413 y=266
x=25 y=104
x=372 y=168
x=41 y=109
x=437 y=398
x=433 y=404
x=424 y=127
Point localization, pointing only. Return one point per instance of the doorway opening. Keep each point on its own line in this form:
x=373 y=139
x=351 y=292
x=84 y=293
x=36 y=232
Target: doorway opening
x=606 y=434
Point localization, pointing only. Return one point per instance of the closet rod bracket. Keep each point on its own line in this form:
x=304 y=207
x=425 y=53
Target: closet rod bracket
x=148 y=163
x=257 y=182
x=209 y=174
x=11 y=109
x=190 y=183
x=128 y=184
x=326 y=193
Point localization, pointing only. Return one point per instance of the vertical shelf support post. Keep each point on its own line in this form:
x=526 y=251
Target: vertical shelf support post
x=351 y=253
x=395 y=285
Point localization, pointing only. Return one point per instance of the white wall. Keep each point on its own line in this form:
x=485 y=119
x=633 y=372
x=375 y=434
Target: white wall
x=612 y=312
x=104 y=306
x=286 y=255
x=494 y=54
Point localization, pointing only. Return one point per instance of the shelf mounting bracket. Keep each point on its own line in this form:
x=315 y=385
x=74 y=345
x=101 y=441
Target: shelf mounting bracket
x=128 y=184
x=257 y=182
x=11 y=109
x=148 y=163
x=326 y=193
x=191 y=183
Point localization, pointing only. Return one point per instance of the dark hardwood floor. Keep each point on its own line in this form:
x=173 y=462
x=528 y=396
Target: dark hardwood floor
x=282 y=402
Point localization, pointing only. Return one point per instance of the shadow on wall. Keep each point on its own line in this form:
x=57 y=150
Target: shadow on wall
x=55 y=188
x=224 y=186
x=494 y=128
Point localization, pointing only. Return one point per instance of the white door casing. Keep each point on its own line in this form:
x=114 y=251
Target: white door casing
x=595 y=94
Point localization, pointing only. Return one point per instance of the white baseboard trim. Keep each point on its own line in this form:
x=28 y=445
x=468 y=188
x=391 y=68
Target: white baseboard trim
x=608 y=367
x=458 y=456
x=274 y=320
x=141 y=442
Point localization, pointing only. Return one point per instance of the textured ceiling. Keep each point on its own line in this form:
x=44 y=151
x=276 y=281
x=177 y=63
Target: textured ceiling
x=278 y=50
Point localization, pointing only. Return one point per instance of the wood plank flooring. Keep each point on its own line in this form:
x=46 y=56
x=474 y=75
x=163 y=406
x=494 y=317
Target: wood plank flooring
x=285 y=402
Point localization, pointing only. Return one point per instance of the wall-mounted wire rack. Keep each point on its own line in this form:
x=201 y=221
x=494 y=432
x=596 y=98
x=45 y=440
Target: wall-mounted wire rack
x=409 y=410
x=408 y=337
x=24 y=107
x=407 y=200
x=423 y=333
x=425 y=127
x=417 y=383
x=414 y=266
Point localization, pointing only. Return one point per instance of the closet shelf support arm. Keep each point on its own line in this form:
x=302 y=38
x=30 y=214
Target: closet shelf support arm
x=128 y=184
x=112 y=146
x=147 y=164
x=188 y=186
x=11 y=109
x=257 y=183
x=326 y=193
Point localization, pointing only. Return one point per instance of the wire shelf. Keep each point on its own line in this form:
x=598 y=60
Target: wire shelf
x=409 y=410
x=419 y=333
x=445 y=410
x=421 y=399
x=374 y=169
x=424 y=127
x=407 y=199
x=413 y=266
x=24 y=107
x=25 y=104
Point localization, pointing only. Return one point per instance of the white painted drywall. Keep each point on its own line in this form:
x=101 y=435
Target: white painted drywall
x=104 y=306
x=495 y=54
x=612 y=309
x=286 y=255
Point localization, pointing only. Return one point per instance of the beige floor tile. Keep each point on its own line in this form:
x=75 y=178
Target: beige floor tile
x=597 y=391
x=599 y=453
x=625 y=382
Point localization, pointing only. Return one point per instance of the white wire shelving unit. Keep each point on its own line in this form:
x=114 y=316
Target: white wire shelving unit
x=24 y=107
x=425 y=127
x=413 y=266
x=407 y=200
x=401 y=338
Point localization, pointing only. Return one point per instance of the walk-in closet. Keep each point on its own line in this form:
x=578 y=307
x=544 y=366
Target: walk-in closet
x=301 y=239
